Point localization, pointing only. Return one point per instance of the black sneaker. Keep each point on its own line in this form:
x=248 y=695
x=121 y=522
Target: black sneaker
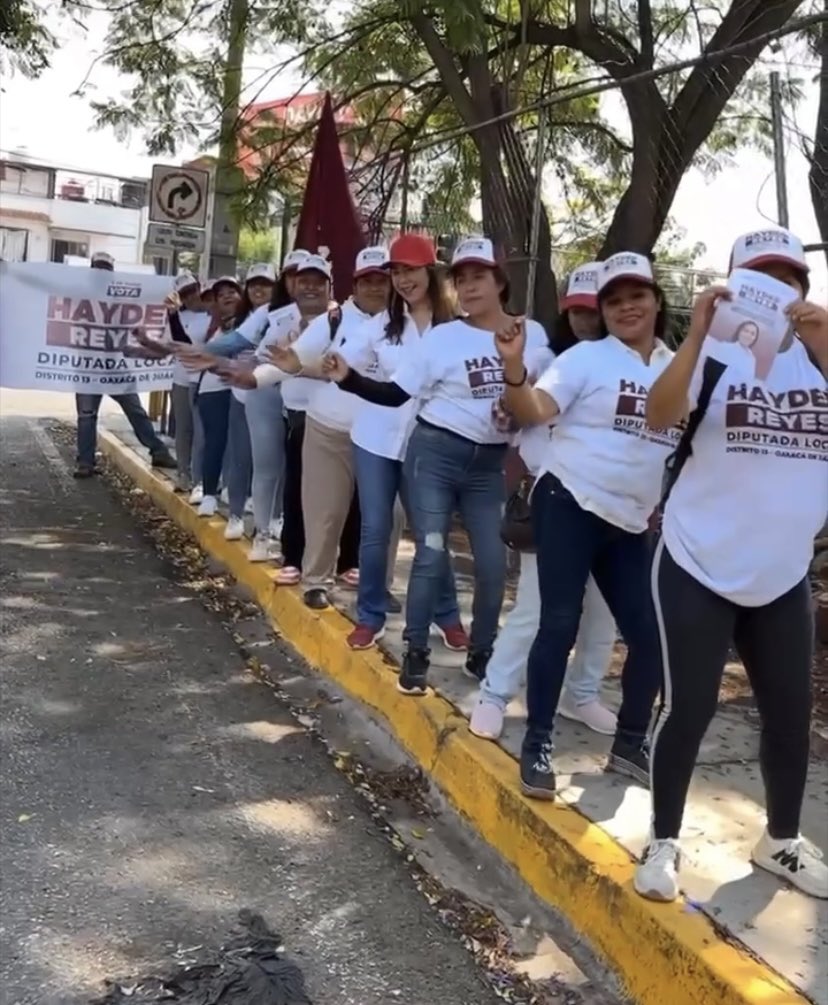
x=413 y=678
x=392 y=605
x=631 y=758
x=537 y=776
x=163 y=459
x=317 y=599
x=476 y=663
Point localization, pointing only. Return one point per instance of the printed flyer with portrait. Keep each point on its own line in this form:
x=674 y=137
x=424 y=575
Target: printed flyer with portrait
x=283 y=328
x=754 y=318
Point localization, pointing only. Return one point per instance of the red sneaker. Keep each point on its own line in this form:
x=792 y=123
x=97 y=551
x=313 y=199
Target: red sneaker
x=364 y=636
x=454 y=637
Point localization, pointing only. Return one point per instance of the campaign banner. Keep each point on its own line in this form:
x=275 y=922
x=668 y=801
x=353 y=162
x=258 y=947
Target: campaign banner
x=69 y=329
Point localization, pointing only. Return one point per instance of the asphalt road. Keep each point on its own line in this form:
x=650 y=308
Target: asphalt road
x=150 y=788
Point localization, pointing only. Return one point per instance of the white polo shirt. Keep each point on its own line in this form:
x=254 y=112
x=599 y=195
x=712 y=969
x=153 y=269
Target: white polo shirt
x=456 y=372
x=753 y=495
x=196 y=325
x=379 y=429
x=602 y=449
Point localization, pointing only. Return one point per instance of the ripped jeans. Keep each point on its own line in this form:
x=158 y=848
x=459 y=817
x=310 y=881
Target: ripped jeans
x=447 y=474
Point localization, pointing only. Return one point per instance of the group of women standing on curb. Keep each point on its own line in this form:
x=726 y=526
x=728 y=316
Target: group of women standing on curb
x=411 y=391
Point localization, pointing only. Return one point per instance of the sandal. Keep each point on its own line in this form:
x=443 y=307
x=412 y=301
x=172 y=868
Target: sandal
x=350 y=578
x=288 y=576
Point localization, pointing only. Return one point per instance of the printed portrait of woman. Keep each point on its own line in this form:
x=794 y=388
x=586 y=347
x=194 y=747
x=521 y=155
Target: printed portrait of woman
x=749 y=336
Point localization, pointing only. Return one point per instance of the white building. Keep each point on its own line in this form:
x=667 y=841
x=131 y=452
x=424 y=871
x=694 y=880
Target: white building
x=47 y=213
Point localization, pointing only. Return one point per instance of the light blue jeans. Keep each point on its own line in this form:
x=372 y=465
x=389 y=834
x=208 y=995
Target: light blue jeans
x=593 y=646
x=266 y=423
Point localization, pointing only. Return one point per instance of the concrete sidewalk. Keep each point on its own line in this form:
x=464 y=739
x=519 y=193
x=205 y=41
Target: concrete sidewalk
x=737 y=928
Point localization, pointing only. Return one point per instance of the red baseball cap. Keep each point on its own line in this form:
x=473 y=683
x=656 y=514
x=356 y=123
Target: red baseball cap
x=413 y=250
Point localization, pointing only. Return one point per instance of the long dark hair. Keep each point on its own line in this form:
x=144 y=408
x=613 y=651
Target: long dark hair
x=563 y=337
x=439 y=296
x=662 y=317
x=280 y=296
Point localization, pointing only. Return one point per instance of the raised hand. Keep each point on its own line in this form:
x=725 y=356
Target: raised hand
x=172 y=302
x=334 y=367
x=704 y=308
x=284 y=357
x=510 y=342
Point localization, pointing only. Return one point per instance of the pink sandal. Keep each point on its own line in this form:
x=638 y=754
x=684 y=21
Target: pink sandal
x=350 y=578
x=288 y=576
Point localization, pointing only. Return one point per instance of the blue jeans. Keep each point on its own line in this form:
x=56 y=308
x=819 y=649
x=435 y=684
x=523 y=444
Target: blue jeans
x=266 y=422
x=87 y=406
x=444 y=474
x=238 y=462
x=379 y=481
x=214 y=409
x=572 y=542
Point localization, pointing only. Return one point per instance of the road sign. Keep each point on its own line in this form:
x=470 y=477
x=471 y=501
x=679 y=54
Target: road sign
x=174 y=237
x=179 y=195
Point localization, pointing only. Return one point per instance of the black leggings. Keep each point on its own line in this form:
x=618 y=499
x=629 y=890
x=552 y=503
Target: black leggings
x=775 y=643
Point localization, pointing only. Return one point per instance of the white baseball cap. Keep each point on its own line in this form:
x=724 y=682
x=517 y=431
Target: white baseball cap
x=582 y=287
x=474 y=249
x=293 y=259
x=763 y=246
x=102 y=258
x=226 y=281
x=373 y=259
x=184 y=280
x=314 y=263
x=261 y=270
x=625 y=265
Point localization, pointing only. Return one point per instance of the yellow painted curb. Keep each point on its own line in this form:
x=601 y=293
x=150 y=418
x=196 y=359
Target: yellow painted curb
x=665 y=954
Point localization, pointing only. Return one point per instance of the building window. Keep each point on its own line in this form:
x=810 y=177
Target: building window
x=60 y=249
x=14 y=244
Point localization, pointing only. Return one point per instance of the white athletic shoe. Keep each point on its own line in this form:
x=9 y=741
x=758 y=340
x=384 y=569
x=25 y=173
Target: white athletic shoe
x=260 y=550
x=592 y=714
x=656 y=878
x=795 y=860
x=208 y=507
x=196 y=495
x=234 y=531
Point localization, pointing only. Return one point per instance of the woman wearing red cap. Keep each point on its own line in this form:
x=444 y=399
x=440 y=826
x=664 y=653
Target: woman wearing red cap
x=455 y=456
x=419 y=298
x=732 y=564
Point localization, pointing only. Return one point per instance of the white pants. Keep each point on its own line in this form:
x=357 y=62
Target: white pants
x=593 y=646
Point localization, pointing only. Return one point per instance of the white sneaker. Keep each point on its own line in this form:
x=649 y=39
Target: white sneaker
x=208 y=507
x=656 y=878
x=486 y=720
x=196 y=495
x=248 y=505
x=234 y=531
x=592 y=714
x=276 y=525
x=795 y=860
x=260 y=550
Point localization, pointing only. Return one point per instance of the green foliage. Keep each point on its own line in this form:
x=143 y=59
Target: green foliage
x=257 y=245
x=26 y=40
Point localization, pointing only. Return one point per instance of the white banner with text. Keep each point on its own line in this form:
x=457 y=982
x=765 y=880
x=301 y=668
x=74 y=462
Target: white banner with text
x=69 y=329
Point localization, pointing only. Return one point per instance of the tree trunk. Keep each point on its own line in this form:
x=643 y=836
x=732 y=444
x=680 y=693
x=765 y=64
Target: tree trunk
x=818 y=174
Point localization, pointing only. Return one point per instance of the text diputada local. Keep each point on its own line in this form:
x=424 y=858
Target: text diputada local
x=102 y=325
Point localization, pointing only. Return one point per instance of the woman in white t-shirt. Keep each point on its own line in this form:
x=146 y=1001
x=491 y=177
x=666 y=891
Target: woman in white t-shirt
x=455 y=456
x=579 y=319
x=597 y=488
x=732 y=564
x=420 y=298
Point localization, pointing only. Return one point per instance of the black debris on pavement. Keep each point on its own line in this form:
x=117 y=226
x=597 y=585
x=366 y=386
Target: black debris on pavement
x=249 y=970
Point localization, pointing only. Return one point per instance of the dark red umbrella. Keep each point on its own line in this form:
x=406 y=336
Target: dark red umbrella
x=329 y=218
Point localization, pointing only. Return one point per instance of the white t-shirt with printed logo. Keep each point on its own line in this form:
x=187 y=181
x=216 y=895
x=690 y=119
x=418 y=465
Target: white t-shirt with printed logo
x=602 y=449
x=196 y=324
x=456 y=372
x=753 y=495
x=379 y=429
